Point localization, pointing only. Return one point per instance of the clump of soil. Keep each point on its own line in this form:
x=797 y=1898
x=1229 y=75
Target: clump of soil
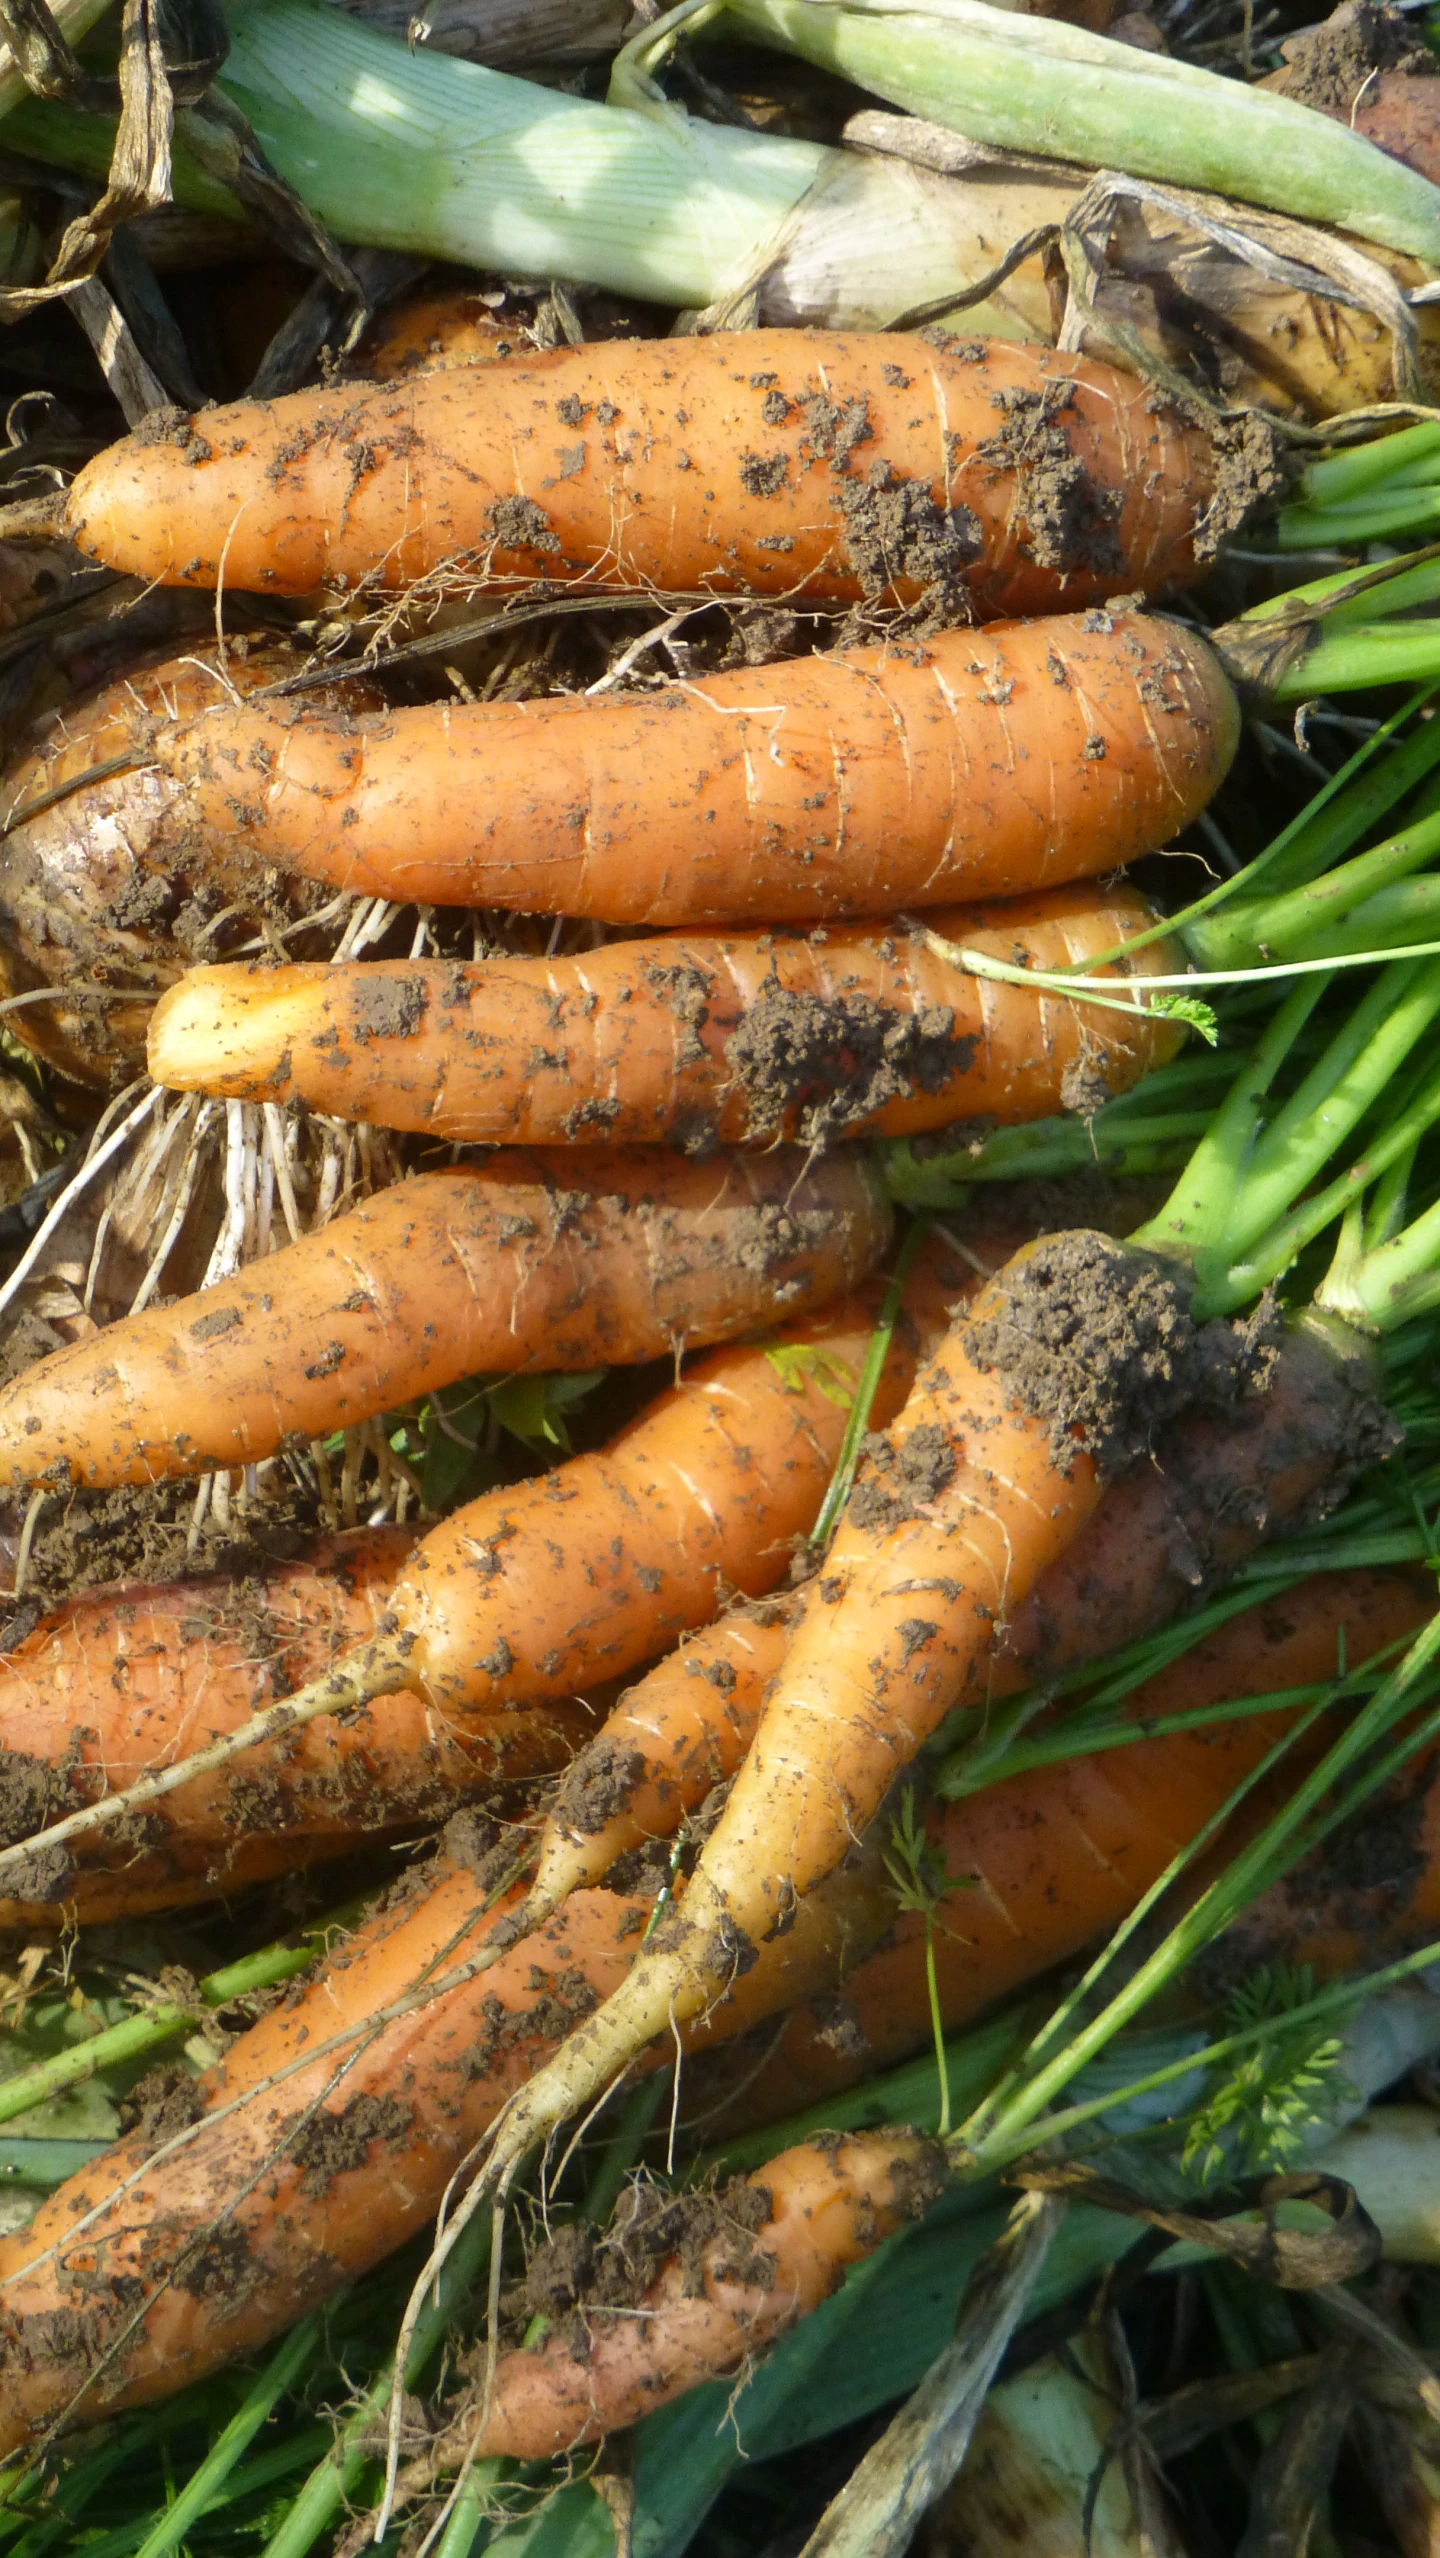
x=896 y=1483
x=1097 y=1339
x=821 y=1066
x=1069 y=522
x=141 y=1532
x=1328 y=67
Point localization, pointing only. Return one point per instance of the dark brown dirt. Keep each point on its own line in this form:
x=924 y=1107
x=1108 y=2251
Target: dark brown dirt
x=518 y=524
x=597 y=1785
x=140 y=1533
x=1097 y=1339
x=386 y=1008
x=893 y=1483
x=165 y=2101
x=582 y=2277
x=1069 y=522
x=1328 y=68
x=895 y=534
x=1253 y=472
x=334 y=2144
x=820 y=1068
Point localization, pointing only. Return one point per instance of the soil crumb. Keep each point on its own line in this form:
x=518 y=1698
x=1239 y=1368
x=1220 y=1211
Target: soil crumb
x=1069 y=522
x=1097 y=1339
x=141 y=1532
x=1328 y=67
x=820 y=1067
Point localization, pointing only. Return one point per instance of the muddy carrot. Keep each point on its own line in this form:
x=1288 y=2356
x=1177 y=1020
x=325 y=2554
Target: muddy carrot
x=738 y=2268
x=120 y=1681
x=532 y=1593
x=796 y=463
x=865 y=782
x=507 y=1265
x=433 y=330
x=1046 y=1863
x=1057 y=1378
x=327 y=2136
x=855 y=1031
x=1209 y=1493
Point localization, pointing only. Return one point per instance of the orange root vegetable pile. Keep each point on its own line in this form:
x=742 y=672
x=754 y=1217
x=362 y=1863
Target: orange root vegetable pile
x=508 y=1265
x=109 y=883
x=533 y=1593
x=137 y=2276
x=866 y=782
x=121 y=1681
x=997 y=1462
x=854 y=1031
x=776 y=463
x=327 y=2136
x=1045 y=1864
x=737 y=2268
x=1198 y=1503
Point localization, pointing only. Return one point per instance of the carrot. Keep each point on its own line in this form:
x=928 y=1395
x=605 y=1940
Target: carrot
x=506 y=1265
x=738 y=2268
x=108 y=883
x=122 y=1680
x=1063 y=1367
x=531 y=1593
x=864 y=782
x=328 y=2135
x=1192 y=1510
x=791 y=462
x=856 y=1031
x=1045 y=1863
x=1369 y=1893
x=435 y=329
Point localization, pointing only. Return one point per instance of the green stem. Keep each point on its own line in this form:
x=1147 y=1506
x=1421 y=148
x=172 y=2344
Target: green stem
x=337 y=2479
x=1341 y=1996
x=1352 y=660
x=1287 y=927
x=858 y=1422
x=1261 y=1862
x=1338 y=478
x=136 y=2035
x=467 y=2514
x=1409 y=510
x=1195 y=1216
x=204 y=2485
x=1224 y=1286
x=1262 y=1174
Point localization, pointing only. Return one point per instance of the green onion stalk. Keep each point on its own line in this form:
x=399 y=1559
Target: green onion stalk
x=1382 y=490
x=421 y=152
x=1036 y=84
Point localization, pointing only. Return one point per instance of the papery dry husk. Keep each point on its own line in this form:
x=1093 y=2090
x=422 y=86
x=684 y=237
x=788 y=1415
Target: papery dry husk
x=1196 y=306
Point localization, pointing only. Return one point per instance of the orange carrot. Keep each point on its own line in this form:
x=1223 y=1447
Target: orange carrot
x=857 y=1031
x=787 y=462
x=108 y=882
x=329 y=2134
x=122 y=1680
x=1207 y=1495
x=755 y=2258
x=505 y=1265
x=436 y=329
x=1044 y=1863
x=997 y=1462
x=532 y=1593
x=865 y=782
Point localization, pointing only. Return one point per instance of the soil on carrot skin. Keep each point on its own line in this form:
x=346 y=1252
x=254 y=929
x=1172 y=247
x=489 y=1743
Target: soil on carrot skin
x=824 y=1066
x=141 y=1532
x=1096 y=1339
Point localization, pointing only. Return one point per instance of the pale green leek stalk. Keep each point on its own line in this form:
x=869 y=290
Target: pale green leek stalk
x=423 y=153
x=1036 y=84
